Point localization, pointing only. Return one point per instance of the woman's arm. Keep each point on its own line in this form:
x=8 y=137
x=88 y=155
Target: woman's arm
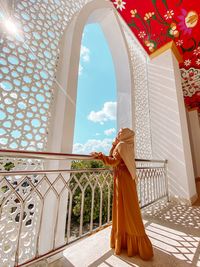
x=108 y=160
x=114 y=144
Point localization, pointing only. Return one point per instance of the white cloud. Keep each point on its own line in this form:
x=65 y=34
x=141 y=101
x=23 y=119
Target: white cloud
x=97 y=134
x=93 y=145
x=84 y=57
x=109 y=131
x=83 y=35
x=107 y=113
x=85 y=53
x=80 y=70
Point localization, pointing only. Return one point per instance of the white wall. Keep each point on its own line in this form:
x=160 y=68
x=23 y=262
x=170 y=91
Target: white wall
x=122 y=64
x=170 y=139
x=194 y=130
x=140 y=95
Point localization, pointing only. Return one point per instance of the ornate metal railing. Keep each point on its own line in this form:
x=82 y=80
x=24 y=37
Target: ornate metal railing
x=41 y=211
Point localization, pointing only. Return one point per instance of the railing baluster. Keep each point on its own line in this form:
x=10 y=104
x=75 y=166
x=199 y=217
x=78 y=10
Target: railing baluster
x=157 y=185
x=154 y=187
x=69 y=217
x=100 y=213
x=162 y=182
x=108 y=218
x=92 y=211
x=81 y=215
x=160 y=188
x=18 y=237
x=166 y=180
x=141 y=180
x=146 y=185
x=148 y=190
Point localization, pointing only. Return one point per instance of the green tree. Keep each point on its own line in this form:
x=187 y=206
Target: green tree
x=76 y=203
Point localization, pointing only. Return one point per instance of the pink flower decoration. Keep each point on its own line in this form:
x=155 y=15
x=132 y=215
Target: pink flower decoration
x=182 y=24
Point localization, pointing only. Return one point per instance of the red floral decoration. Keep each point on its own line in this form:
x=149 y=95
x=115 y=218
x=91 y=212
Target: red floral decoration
x=159 y=21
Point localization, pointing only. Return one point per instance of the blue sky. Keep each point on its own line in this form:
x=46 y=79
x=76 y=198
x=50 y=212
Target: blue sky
x=95 y=124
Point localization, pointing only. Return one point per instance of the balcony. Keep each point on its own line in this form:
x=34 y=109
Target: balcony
x=41 y=226
x=173 y=230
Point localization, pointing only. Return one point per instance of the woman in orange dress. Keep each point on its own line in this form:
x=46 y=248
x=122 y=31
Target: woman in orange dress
x=127 y=227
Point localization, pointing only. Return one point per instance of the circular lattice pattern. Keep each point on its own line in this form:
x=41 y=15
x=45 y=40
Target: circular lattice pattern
x=191 y=87
x=141 y=99
x=27 y=70
x=27 y=75
x=190 y=81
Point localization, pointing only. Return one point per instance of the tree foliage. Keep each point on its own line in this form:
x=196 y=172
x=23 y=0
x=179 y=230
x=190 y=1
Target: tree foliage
x=77 y=197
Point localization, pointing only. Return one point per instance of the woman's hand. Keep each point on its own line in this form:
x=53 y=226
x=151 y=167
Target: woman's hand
x=115 y=142
x=96 y=155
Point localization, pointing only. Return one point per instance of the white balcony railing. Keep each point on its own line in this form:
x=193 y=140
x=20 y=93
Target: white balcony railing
x=43 y=210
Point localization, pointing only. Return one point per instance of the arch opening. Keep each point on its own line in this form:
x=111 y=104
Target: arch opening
x=95 y=120
x=68 y=70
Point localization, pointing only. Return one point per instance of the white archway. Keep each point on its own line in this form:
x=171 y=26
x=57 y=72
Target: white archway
x=62 y=126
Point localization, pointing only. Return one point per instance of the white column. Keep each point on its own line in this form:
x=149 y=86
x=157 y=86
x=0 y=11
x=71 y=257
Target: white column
x=170 y=138
x=194 y=130
x=122 y=64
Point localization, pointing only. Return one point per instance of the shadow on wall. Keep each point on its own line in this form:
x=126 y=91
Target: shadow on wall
x=169 y=126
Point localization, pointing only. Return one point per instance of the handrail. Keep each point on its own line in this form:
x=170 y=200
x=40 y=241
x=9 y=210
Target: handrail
x=12 y=173
x=42 y=155
x=57 y=156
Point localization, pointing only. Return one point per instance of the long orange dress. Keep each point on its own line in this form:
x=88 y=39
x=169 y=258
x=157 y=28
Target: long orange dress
x=127 y=227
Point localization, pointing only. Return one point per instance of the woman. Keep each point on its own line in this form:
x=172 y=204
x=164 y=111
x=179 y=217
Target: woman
x=127 y=226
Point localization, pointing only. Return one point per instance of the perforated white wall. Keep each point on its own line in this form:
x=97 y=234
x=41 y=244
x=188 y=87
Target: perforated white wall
x=190 y=81
x=27 y=69
x=27 y=75
x=141 y=96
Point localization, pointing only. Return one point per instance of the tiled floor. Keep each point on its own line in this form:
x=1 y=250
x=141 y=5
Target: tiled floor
x=197 y=203
x=174 y=231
